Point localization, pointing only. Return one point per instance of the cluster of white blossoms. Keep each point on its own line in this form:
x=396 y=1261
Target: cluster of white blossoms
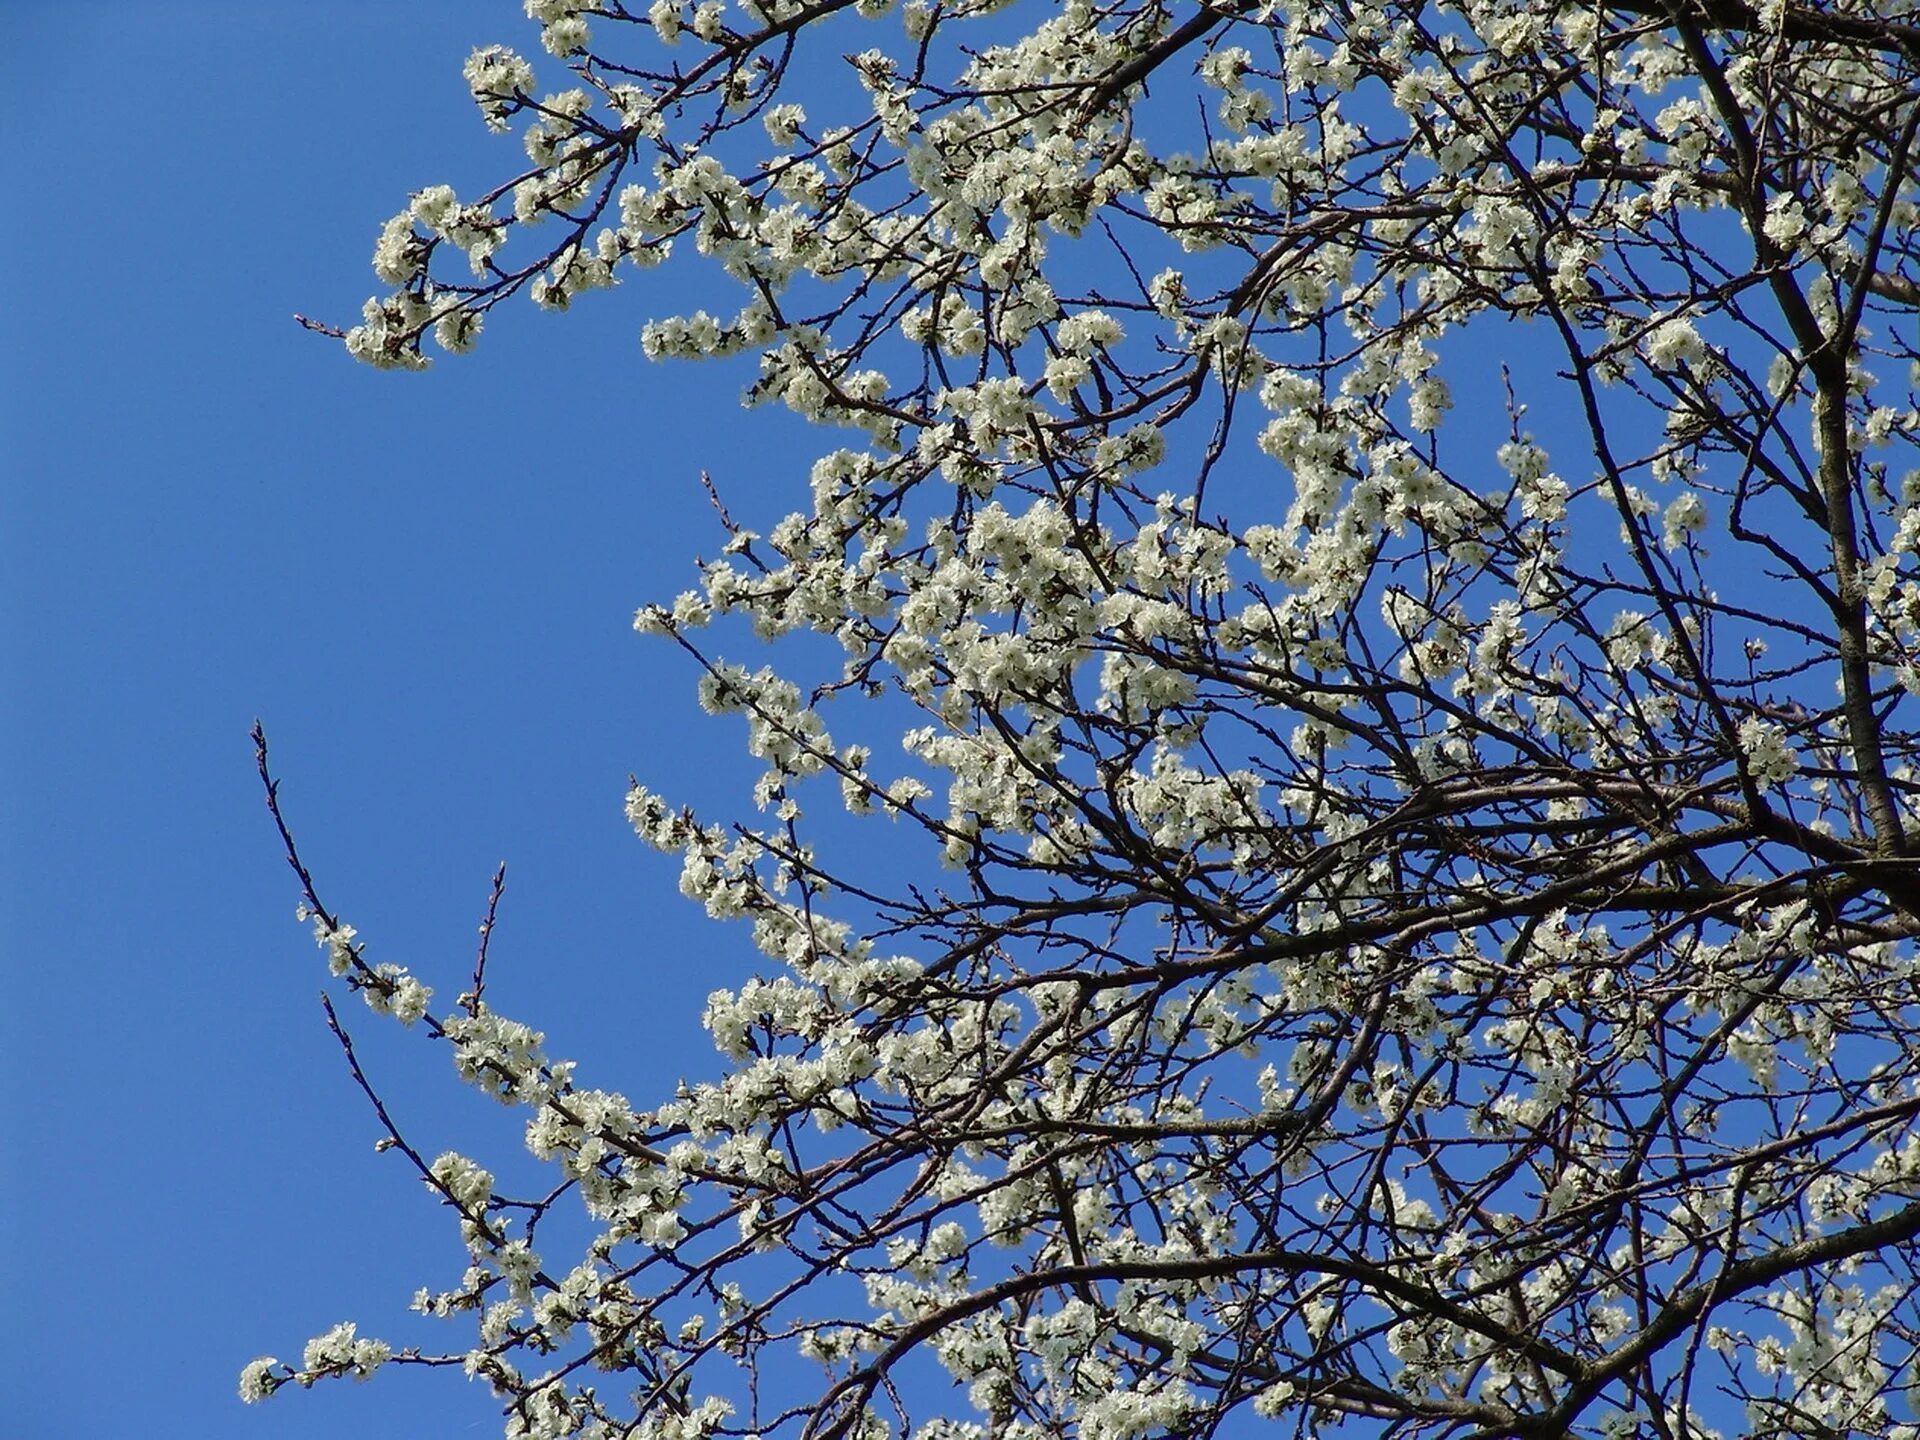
x=1769 y=753
x=1365 y=572
x=340 y=1351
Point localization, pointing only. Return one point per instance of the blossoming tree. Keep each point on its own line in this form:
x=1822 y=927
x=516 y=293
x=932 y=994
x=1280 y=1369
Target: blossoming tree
x=1413 y=927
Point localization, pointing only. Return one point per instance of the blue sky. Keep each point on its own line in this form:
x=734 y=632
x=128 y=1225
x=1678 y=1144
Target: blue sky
x=421 y=583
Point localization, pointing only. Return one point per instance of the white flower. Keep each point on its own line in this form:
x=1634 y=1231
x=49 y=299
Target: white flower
x=1673 y=342
x=783 y=122
x=1770 y=757
x=1427 y=401
x=398 y=253
x=341 y=1350
x=498 y=78
x=667 y=19
x=410 y=1000
x=568 y=35
x=257 y=1380
x=457 y=331
x=1629 y=639
x=1786 y=221
x=1685 y=515
x=1274 y=1400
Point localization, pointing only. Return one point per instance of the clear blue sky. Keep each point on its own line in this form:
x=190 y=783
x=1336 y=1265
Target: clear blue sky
x=422 y=584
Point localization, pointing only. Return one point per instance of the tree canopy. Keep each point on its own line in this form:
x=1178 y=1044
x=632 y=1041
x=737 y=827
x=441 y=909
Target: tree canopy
x=1363 y=560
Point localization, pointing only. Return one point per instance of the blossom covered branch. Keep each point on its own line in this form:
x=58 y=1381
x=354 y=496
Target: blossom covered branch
x=1374 y=556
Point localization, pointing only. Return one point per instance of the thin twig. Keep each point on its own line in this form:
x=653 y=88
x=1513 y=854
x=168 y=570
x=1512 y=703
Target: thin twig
x=286 y=836
x=713 y=494
x=472 y=998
